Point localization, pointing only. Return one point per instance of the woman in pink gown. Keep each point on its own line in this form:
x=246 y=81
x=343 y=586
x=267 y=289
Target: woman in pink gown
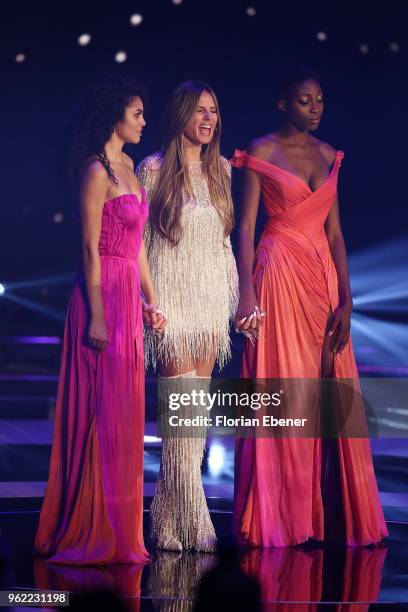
x=295 y=292
x=93 y=507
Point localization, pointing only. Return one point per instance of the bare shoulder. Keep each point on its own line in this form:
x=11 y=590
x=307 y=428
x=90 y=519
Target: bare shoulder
x=328 y=152
x=95 y=173
x=128 y=161
x=262 y=147
x=225 y=164
x=151 y=162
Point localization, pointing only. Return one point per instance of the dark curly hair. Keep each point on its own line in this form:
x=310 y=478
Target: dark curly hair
x=103 y=107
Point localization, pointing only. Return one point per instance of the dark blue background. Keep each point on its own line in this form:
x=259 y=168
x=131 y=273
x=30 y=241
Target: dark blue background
x=366 y=101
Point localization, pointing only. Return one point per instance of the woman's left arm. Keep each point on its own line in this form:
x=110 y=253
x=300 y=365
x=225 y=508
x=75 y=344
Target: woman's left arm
x=152 y=316
x=340 y=325
x=232 y=278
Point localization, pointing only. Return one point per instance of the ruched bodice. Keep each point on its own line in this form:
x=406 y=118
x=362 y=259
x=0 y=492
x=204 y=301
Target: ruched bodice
x=123 y=221
x=295 y=228
x=287 y=197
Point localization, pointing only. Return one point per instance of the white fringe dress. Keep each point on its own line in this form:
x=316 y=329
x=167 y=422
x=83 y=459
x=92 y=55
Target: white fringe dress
x=196 y=281
x=196 y=284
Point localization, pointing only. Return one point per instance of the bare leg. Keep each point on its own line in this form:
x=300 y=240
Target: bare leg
x=327 y=363
x=331 y=482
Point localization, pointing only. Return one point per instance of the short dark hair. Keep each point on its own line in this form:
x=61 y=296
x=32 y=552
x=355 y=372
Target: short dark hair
x=292 y=76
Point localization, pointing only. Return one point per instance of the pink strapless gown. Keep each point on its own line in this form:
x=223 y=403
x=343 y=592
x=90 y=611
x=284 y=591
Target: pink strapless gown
x=93 y=507
x=278 y=494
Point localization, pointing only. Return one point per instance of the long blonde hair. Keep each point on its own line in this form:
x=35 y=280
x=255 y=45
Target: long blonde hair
x=167 y=202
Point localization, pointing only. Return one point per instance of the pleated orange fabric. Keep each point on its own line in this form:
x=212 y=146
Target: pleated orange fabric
x=278 y=482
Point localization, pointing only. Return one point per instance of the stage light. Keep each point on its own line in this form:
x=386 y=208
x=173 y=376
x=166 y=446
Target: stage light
x=152 y=439
x=121 y=57
x=84 y=40
x=216 y=459
x=321 y=36
x=251 y=11
x=364 y=49
x=52 y=313
x=58 y=217
x=59 y=279
x=136 y=19
x=379 y=285
x=20 y=57
x=394 y=47
x=390 y=341
x=2 y=289
x=177 y=1
x=378 y=277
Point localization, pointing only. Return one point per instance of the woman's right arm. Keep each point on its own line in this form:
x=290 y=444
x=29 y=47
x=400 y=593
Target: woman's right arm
x=94 y=190
x=246 y=233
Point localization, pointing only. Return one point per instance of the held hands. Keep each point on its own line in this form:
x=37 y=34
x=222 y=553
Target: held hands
x=153 y=317
x=340 y=328
x=249 y=318
x=98 y=333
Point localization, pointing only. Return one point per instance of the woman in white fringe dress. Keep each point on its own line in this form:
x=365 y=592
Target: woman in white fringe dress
x=194 y=273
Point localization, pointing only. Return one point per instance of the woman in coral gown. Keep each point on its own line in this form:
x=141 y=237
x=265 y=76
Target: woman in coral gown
x=295 y=292
x=93 y=507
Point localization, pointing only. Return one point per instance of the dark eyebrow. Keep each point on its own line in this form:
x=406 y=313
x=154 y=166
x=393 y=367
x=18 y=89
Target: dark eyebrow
x=203 y=107
x=311 y=95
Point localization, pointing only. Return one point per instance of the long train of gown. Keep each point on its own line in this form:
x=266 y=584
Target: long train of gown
x=93 y=507
x=278 y=489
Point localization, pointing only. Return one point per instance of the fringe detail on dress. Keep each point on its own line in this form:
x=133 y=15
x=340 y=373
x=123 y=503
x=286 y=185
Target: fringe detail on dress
x=196 y=281
x=179 y=509
x=181 y=346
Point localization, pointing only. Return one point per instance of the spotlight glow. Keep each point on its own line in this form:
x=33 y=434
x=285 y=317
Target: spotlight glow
x=321 y=36
x=61 y=279
x=84 y=40
x=2 y=289
x=121 y=57
x=389 y=339
x=52 y=313
x=364 y=49
x=152 y=439
x=379 y=285
x=136 y=19
x=251 y=11
x=378 y=277
x=58 y=217
x=216 y=459
x=20 y=57
x=177 y=1
x=394 y=47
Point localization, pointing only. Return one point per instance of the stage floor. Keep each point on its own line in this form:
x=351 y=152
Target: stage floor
x=295 y=579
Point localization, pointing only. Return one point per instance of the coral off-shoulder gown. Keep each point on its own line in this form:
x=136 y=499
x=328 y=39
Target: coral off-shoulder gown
x=93 y=507
x=278 y=481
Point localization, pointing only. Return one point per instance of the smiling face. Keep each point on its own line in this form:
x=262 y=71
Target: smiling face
x=203 y=122
x=303 y=107
x=130 y=128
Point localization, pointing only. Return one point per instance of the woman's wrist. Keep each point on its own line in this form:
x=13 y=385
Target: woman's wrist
x=247 y=290
x=97 y=316
x=346 y=302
